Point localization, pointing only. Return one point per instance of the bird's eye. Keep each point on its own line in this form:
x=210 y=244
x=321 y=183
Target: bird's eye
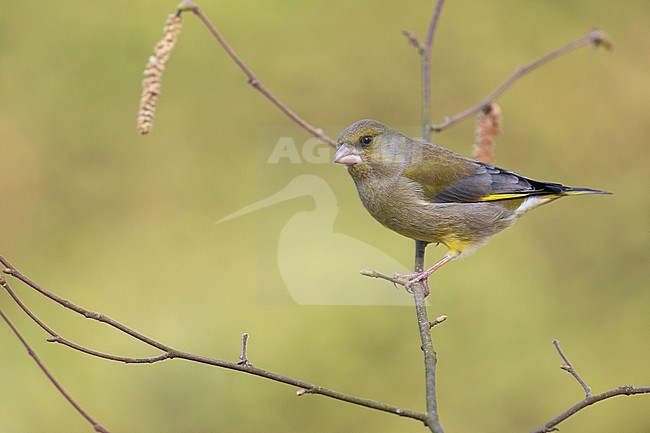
x=365 y=140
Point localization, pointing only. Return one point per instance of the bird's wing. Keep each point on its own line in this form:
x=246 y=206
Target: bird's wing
x=451 y=178
x=494 y=184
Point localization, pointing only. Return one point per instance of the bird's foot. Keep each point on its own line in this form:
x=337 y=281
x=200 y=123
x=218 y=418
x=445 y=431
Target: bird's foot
x=416 y=277
x=423 y=276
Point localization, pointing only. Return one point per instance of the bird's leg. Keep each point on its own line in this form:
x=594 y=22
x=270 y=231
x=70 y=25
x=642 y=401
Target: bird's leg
x=420 y=249
x=422 y=276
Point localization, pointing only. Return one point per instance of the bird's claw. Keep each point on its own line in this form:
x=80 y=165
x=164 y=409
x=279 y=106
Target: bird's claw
x=417 y=277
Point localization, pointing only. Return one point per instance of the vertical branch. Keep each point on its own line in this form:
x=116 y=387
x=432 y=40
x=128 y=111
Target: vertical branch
x=430 y=358
x=419 y=289
x=419 y=293
x=420 y=247
x=426 y=73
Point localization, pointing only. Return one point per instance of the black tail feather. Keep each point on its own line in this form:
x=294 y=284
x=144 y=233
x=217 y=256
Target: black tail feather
x=567 y=190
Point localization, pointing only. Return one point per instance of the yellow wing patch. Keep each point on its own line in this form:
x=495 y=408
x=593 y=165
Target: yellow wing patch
x=509 y=196
x=494 y=197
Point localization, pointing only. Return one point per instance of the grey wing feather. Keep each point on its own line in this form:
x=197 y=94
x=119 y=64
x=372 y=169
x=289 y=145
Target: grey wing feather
x=490 y=180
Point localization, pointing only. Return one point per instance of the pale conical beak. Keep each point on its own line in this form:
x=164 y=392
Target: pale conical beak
x=347 y=155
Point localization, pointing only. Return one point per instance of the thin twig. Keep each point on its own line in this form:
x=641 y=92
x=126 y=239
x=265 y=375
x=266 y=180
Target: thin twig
x=10 y=270
x=589 y=398
x=594 y=37
x=252 y=80
x=567 y=366
x=413 y=40
x=243 y=358
x=171 y=353
x=367 y=272
x=622 y=390
x=98 y=427
x=56 y=338
x=437 y=321
x=426 y=73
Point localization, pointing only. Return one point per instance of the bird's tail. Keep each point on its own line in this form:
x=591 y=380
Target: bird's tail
x=553 y=192
x=567 y=190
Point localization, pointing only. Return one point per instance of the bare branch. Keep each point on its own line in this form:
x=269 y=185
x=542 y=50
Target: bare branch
x=98 y=427
x=171 y=353
x=426 y=72
x=594 y=37
x=10 y=270
x=589 y=398
x=420 y=290
x=622 y=390
x=430 y=357
x=567 y=366
x=252 y=80
x=56 y=338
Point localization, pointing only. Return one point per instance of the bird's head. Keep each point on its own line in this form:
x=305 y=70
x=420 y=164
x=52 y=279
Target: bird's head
x=369 y=146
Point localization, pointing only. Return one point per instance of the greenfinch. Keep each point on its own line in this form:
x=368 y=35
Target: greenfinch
x=433 y=195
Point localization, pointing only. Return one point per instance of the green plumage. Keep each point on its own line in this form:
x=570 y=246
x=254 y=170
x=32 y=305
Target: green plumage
x=428 y=193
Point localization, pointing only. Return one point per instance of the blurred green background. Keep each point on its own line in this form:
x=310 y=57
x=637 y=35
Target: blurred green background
x=124 y=224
